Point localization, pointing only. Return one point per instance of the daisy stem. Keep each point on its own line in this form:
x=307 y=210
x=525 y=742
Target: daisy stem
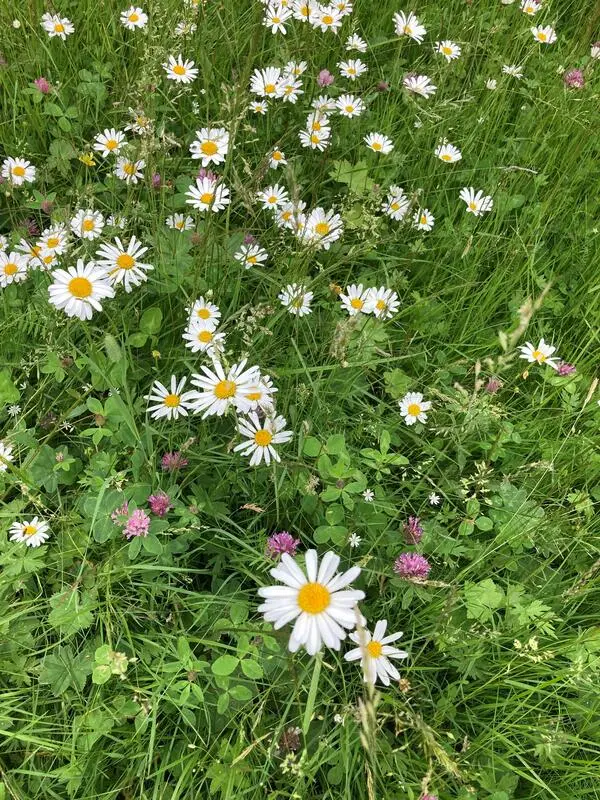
x=312 y=694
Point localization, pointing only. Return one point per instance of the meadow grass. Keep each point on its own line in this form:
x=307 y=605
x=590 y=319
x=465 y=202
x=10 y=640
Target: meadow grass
x=142 y=669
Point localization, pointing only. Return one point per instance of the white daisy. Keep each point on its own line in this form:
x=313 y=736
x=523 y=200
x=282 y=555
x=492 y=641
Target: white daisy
x=396 y=204
x=323 y=105
x=133 y=18
x=413 y=408
x=530 y=7
x=352 y=69
x=296 y=299
x=318 y=600
x=140 y=124
x=291 y=216
x=276 y=15
x=354 y=42
x=264 y=81
x=321 y=228
x=374 y=652
x=544 y=35
x=54 y=239
x=295 y=68
x=54 y=25
x=384 y=302
x=305 y=10
x=450 y=50
x=289 y=89
x=379 y=143
x=419 y=84
x=260 y=394
x=423 y=220
x=349 y=106
x=13 y=268
x=205 y=312
x=273 y=197
x=180 y=222
x=211 y=145
x=409 y=25
x=448 y=153
x=328 y=18
x=317 y=140
x=201 y=338
x=18 y=171
x=542 y=354
x=277 y=159
x=221 y=390
x=251 y=255
x=170 y=403
x=513 y=70
x=32 y=533
x=261 y=436
x=208 y=194
x=87 y=224
x=357 y=300
x=123 y=264
x=477 y=204
x=343 y=6
x=79 y=290
x=179 y=70
x=6 y=456
x=129 y=171
x=258 y=107
x=109 y=142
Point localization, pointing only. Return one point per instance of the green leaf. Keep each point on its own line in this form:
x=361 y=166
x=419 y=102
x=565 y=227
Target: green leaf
x=8 y=391
x=137 y=339
x=113 y=351
x=71 y=612
x=151 y=320
x=241 y=692
x=384 y=441
x=101 y=674
x=484 y=523
x=465 y=528
x=312 y=447
x=482 y=599
x=334 y=514
x=63 y=669
x=52 y=110
x=336 y=444
x=252 y=669
x=224 y=665
x=330 y=494
x=152 y=545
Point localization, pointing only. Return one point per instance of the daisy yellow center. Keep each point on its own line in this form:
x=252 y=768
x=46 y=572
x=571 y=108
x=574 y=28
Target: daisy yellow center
x=172 y=401
x=407 y=30
x=207 y=197
x=286 y=216
x=314 y=598
x=423 y=219
x=53 y=241
x=129 y=168
x=414 y=409
x=322 y=228
x=36 y=250
x=447 y=51
x=80 y=287
x=351 y=71
x=48 y=259
x=29 y=530
x=205 y=337
x=251 y=259
x=263 y=438
x=275 y=20
x=180 y=224
x=297 y=302
x=395 y=206
x=59 y=28
x=356 y=302
x=125 y=261
x=349 y=109
x=446 y=157
x=316 y=126
x=289 y=89
x=178 y=69
x=225 y=389
x=209 y=148
x=133 y=17
x=276 y=156
x=269 y=88
x=376 y=145
x=538 y=355
x=380 y=305
x=18 y=171
x=542 y=36
x=374 y=649
x=203 y=313
x=272 y=199
x=327 y=19
x=315 y=139
x=88 y=225
x=111 y=144
x=305 y=11
x=473 y=205
x=10 y=268
x=254 y=395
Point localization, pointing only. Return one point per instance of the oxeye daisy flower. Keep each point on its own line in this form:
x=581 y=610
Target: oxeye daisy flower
x=211 y=145
x=317 y=122
x=264 y=81
x=321 y=228
x=261 y=436
x=544 y=35
x=383 y=302
x=33 y=533
x=295 y=68
x=206 y=312
x=54 y=25
x=140 y=124
x=180 y=222
x=290 y=215
x=87 y=224
x=318 y=600
x=419 y=84
x=31 y=251
x=109 y=142
x=349 y=106
x=179 y=70
x=316 y=140
x=379 y=143
x=208 y=194
x=477 y=204
x=258 y=107
x=296 y=299
x=327 y=18
x=260 y=394
x=202 y=338
x=305 y=10
x=289 y=89
x=530 y=7
x=352 y=69
x=323 y=105
x=185 y=28
x=13 y=268
x=6 y=456
x=277 y=159
x=116 y=221
x=220 y=390
x=79 y=290
x=343 y=6
x=595 y=50
x=123 y=264
x=396 y=204
x=357 y=300
x=251 y=255
x=450 y=50
x=448 y=153
x=129 y=171
x=276 y=15
x=409 y=25
x=170 y=403
x=54 y=239
x=273 y=197
x=423 y=220
x=542 y=354
x=413 y=408
x=513 y=70
x=375 y=652
x=18 y=171
x=354 y=42
x=133 y=18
